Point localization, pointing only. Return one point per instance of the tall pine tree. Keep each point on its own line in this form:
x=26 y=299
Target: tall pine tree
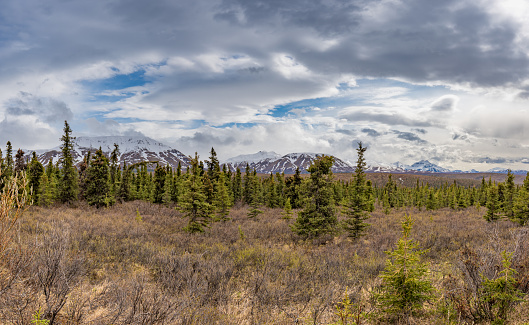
x=356 y=209
x=319 y=215
x=68 y=186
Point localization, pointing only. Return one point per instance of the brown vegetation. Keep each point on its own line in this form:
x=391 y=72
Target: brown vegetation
x=133 y=264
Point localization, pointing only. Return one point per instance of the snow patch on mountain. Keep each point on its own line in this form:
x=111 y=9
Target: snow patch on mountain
x=254 y=158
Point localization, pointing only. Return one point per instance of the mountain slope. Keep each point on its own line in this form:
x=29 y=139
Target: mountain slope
x=132 y=150
x=285 y=164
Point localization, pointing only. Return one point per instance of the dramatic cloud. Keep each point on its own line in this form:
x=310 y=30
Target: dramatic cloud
x=246 y=76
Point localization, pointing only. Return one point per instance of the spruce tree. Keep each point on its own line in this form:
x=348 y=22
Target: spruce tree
x=159 y=183
x=34 y=175
x=9 y=163
x=237 y=186
x=404 y=288
x=125 y=186
x=20 y=162
x=319 y=215
x=510 y=188
x=193 y=203
x=68 y=186
x=222 y=201
x=521 y=204
x=114 y=169
x=357 y=207
x=98 y=181
x=493 y=204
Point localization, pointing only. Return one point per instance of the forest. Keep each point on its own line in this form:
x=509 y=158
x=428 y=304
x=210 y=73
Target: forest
x=104 y=243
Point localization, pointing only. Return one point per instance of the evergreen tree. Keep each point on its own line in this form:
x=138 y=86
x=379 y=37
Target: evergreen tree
x=9 y=163
x=237 y=186
x=404 y=288
x=124 y=191
x=508 y=204
x=213 y=167
x=68 y=186
x=319 y=215
x=357 y=207
x=293 y=189
x=193 y=203
x=20 y=163
x=493 y=204
x=254 y=198
x=222 y=200
x=114 y=169
x=521 y=204
x=98 y=182
x=159 y=183
x=287 y=210
x=35 y=172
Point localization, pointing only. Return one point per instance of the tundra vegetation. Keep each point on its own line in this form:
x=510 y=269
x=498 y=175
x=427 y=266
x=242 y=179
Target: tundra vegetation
x=100 y=243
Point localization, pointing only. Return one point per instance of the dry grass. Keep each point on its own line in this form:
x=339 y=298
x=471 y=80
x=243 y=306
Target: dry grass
x=113 y=267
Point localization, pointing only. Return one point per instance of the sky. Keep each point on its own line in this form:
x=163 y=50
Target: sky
x=446 y=81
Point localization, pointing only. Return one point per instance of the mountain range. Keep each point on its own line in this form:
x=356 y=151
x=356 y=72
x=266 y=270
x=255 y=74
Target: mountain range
x=139 y=148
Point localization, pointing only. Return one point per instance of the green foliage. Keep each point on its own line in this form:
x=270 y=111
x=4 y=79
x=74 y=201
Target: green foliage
x=287 y=210
x=404 y=288
x=358 y=205
x=222 y=200
x=493 y=204
x=68 y=185
x=500 y=294
x=521 y=204
x=38 y=320
x=349 y=312
x=194 y=204
x=319 y=215
x=98 y=182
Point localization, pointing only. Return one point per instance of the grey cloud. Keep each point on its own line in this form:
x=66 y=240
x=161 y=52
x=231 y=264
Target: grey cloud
x=408 y=136
x=47 y=109
x=26 y=135
x=422 y=131
x=107 y=127
x=457 y=136
x=385 y=118
x=371 y=132
x=444 y=104
x=347 y=132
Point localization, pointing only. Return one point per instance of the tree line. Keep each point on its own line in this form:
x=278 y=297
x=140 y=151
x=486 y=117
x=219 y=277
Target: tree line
x=206 y=190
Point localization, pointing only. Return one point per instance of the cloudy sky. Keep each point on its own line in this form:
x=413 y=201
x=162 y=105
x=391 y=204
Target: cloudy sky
x=444 y=80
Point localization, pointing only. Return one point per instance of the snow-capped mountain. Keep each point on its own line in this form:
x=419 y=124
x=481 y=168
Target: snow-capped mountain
x=254 y=158
x=132 y=150
x=500 y=170
x=426 y=166
x=283 y=164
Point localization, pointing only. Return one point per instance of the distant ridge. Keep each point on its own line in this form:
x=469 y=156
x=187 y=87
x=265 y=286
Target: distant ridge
x=132 y=150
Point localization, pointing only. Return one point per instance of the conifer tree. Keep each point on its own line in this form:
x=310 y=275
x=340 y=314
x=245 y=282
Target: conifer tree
x=125 y=186
x=98 y=182
x=357 y=207
x=404 y=288
x=493 y=204
x=237 y=186
x=521 y=204
x=254 y=198
x=159 y=183
x=34 y=175
x=68 y=186
x=293 y=189
x=168 y=186
x=114 y=169
x=9 y=163
x=508 y=204
x=20 y=163
x=222 y=201
x=287 y=210
x=213 y=167
x=318 y=216
x=193 y=203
